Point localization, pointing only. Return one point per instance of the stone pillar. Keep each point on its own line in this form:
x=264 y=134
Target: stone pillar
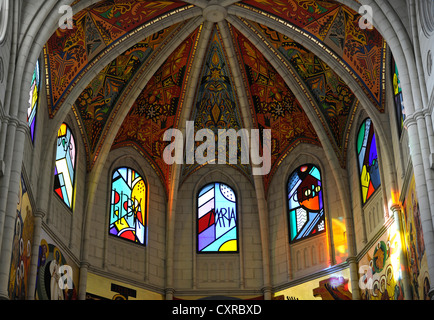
x=217 y=14
x=264 y=232
x=10 y=185
x=267 y=292
x=396 y=209
x=169 y=293
x=82 y=285
x=422 y=193
x=38 y=216
x=354 y=277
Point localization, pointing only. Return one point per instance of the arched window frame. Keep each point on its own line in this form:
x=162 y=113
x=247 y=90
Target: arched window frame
x=34 y=97
x=142 y=226
x=201 y=217
x=371 y=145
x=318 y=224
x=63 y=164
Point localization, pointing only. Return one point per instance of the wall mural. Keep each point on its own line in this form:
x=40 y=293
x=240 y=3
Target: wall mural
x=334 y=98
x=380 y=269
x=97 y=103
x=22 y=246
x=69 y=52
x=362 y=50
x=273 y=105
x=57 y=275
x=415 y=245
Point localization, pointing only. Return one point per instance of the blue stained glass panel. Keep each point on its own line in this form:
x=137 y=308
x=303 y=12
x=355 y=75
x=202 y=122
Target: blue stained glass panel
x=217 y=219
x=34 y=100
x=128 y=206
x=306 y=216
x=64 y=172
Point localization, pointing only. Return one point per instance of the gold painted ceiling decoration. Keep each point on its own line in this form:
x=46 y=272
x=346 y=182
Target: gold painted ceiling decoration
x=272 y=103
x=336 y=28
x=335 y=102
x=98 y=103
x=103 y=26
x=216 y=105
x=69 y=53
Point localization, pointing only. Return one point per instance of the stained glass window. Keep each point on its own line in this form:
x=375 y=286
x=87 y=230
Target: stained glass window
x=217 y=219
x=128 y=213
x=64 y=171
x=399 y=101
x=34 y=100
x=369 y=172
x=305 y=203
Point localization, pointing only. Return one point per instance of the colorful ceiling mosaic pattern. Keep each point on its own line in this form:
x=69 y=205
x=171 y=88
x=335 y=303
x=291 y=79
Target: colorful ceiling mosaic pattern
x=96 y=104
x=335 y=99
x=158 y=107
x=102 y=26
x=273 y=104
x=69 y=52
x=335 y=25
x=216 y=103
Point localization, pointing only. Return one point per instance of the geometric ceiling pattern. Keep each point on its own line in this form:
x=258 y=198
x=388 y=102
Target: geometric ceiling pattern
x=97 y=102
x=330 y=27
x=69 y=52
x=272 y=103
x=216 y=104
x=337 y=27
x=335 y=100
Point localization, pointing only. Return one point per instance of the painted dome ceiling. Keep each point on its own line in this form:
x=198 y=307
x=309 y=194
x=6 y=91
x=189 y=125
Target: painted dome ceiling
x=135 y=69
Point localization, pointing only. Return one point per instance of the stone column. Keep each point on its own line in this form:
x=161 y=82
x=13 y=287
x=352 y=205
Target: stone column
x=422 y=193
x=38 y=216
x=264 y=234
x=396 y=209
x=169 y=293
x=354 y=277
x=10 y=185
x=82 y=285
x=217 y=14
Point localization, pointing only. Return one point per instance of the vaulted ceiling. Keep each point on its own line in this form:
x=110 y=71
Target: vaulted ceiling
x=161 y=62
